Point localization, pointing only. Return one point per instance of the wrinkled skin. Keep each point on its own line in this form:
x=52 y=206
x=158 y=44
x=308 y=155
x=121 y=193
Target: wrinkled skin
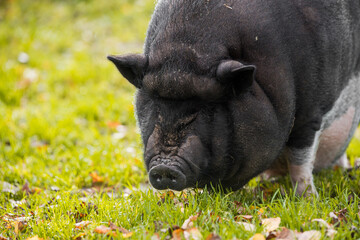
x=226 y=88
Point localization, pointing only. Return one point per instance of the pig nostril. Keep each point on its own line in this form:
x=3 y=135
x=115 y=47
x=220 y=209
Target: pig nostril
x=158 y=177
x=172 y=178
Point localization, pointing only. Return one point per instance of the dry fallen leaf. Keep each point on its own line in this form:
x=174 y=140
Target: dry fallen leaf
x=102 y=229
x=169 y=195
x=239 y=207
x=111 y=230
x=272 y=235
x=96 y=178
x=112 y=124
x=322 y=222
x=35 y=238
x=261 y=211
x=192 y=233
x=189 y=223
x=286 y=234
x=83 y=224
x=127 y=235
x=309 y=235
x=19 y=226
x=177 y=234
x=244 y=217
x=120 y=229
x=271 y=224
x=79 y=236
x=156 y=236
x=330 y=231
x=258 y=236
x=3 y=238
x=334 y=218
x=213 y=236
x=28 y=190
x=247 y=226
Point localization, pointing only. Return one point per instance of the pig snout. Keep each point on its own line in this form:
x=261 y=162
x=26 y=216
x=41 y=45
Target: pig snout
x=164 y=176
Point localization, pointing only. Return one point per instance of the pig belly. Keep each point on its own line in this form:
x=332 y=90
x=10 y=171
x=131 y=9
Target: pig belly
x=338 y=126
x=334 y=139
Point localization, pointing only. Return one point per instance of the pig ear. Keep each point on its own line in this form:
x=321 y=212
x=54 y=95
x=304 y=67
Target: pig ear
x=235 y=73
x=132 y=67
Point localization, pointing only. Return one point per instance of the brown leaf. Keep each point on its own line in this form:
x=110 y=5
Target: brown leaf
x=330 y=232
x=244 y=217
x=272 y=235
x=79 y=236
x=309 y=235
x=26 y=187
x=102 y=229
x=177 y=234
x=342 y=215
x=322 y=222
x=156 y=236
x=286 y=234
x=169 y=195
x=28 y=190
x=271 y=224
x=261 y=211
x=239 y=208
x=213 y=236
x=192 y=233
x=83 y=224
x=3 y=238
x=127 y=235
x=120 y=229
x=247 y=226
x=19 y=226
x=19 y=223
x=189 y=223
x=112 y=124
x=35 y=238
x=96 y=178
x=334 y=218
x=258 y=236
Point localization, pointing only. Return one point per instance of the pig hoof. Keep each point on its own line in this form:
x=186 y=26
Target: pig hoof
x=306 y=189
x=167 y=177
x=343 y=162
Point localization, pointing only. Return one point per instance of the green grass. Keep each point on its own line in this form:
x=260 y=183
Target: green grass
x=58 y=113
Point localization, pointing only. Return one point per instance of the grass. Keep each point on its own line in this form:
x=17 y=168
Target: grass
x=68 y=138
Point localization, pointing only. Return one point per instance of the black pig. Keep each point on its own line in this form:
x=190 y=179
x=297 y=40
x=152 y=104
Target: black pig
x=227 y=89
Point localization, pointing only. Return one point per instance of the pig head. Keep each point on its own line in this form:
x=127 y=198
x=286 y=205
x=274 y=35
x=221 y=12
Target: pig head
x=201 y=128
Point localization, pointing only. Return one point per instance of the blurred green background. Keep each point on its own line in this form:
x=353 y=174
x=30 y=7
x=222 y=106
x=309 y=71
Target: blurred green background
x=65 y=110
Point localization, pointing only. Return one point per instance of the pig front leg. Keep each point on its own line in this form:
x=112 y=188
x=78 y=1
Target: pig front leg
x=301 y=165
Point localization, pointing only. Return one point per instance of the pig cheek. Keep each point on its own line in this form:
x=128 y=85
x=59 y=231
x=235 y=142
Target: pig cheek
x=194 y=153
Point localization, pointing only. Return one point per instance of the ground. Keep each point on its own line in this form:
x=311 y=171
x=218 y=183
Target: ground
x=70 y=153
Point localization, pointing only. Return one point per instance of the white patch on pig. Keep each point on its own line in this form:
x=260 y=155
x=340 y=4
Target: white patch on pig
x=301 y=175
